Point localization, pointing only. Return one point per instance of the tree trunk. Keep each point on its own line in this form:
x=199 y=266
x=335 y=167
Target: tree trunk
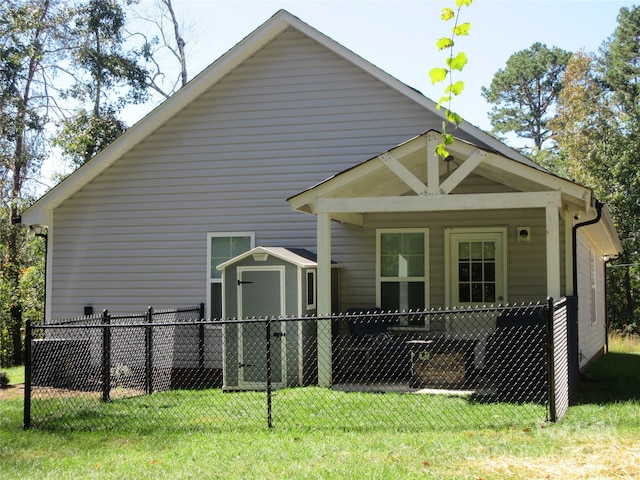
x=12 y=277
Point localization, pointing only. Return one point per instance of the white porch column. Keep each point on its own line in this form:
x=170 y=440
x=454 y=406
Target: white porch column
x=553 y=252
x=324 y=298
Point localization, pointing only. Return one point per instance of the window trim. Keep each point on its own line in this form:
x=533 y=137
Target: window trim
x=448 y=255
x=425 y=278
x=209 y=279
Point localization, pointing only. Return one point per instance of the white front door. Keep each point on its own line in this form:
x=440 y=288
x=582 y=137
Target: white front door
x=476 y=276
x=477 y=268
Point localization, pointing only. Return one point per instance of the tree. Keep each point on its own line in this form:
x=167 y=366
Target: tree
x=31 y=33
x=598 y=128
x=46 y=44
x=168 y=39
x=525 y=91
x=106 y=77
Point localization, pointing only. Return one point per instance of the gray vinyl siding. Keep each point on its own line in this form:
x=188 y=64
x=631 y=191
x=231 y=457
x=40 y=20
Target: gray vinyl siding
x=355 y=247
x=289 y=117
x=591 y=310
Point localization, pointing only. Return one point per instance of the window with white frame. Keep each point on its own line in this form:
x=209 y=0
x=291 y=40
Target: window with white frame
x=220 y=248
x=402 y=270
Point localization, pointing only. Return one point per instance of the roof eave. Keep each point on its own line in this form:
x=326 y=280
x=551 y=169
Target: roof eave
x=157 y=117
x=209 y=77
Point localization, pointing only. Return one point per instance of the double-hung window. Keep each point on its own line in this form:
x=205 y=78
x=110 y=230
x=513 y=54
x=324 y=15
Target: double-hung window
x=220 y=248
x=402 y=269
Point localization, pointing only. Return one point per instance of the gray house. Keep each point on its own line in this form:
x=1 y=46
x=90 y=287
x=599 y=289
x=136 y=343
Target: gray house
x=292 y=140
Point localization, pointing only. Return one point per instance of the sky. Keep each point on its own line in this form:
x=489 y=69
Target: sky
x=399 y=36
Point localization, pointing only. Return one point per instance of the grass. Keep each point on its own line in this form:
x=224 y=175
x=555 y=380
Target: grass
x=599 y=438
x=16 y=375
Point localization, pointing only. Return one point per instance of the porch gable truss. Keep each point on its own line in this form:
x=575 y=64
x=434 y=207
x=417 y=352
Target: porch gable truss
x=393 y=182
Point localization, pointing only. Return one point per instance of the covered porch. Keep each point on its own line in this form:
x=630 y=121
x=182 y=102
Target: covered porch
x=412 y=182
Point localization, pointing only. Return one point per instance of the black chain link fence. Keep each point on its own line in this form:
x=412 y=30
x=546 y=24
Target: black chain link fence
x=439 y=369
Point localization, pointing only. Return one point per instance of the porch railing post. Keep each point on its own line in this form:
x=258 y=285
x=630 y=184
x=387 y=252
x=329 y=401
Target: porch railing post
x=27 y=375
x=148 y=350
x=106 y=356
x=551 y=377
x=201 y=338
x=268 y=345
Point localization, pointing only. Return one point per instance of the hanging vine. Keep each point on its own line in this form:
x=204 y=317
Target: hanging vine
x=455 y=61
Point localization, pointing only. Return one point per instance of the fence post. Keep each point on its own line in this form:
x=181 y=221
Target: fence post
x=268 y=329
x=201 y=338
x=148 y=350
x=28 y=335
x=106 y=356
x=551 y=376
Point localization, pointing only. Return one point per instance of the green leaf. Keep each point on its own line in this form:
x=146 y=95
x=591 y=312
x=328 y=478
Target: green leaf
x=441 y=151
x=453 y=118
x=462 y=30
x=458 y=62
x=448 y=138
x=443 y=43
x=442 y=100
x=447 y=14
x=456 y=88
x=463 y=3
x=438 y=74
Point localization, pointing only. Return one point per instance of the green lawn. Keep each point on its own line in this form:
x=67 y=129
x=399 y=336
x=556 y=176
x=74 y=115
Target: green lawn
x=597 y=439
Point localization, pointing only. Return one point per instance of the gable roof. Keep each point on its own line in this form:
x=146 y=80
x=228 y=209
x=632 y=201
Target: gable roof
x=402 y=170
x=39 y=213
x=394 y=181
x=296 y=256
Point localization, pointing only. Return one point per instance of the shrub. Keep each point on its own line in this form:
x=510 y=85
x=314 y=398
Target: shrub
x=4 y=379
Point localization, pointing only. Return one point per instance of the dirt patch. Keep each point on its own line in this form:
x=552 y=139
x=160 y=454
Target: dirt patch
x=608 y=458
x=12 y=392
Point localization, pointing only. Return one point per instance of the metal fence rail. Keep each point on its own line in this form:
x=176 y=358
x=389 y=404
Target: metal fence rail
x=437 y=369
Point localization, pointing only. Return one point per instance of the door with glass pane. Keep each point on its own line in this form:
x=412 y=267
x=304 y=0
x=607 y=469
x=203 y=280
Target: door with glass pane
x=477 y=269
x=477 y=277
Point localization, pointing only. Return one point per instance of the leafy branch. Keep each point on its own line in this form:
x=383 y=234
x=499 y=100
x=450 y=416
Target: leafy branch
x=455 y=61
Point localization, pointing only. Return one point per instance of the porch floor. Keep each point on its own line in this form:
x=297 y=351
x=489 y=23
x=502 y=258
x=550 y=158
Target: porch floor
x=407 y=388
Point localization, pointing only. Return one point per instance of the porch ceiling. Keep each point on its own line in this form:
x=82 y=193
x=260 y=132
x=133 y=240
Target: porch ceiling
x=411 y=177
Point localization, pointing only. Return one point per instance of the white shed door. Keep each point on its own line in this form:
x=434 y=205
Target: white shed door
x=260 y=295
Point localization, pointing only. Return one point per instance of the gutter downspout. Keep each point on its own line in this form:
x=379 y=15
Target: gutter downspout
x=45 y=237
x=574 y=245
x=574 y=240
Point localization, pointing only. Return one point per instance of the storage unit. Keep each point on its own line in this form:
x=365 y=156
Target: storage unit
x=56 y=363
x=274 y=282
x=441 y=362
